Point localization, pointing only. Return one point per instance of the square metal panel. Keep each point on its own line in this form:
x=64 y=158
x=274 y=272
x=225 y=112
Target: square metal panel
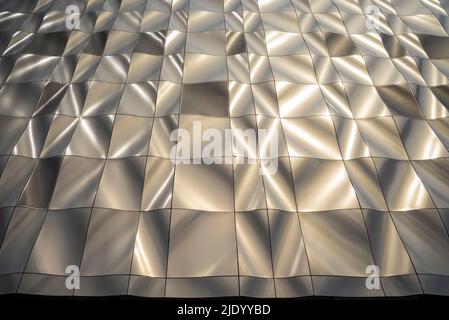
x=203 y=245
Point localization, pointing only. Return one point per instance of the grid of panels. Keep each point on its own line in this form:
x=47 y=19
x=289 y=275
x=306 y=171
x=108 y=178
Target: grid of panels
x=86 y=177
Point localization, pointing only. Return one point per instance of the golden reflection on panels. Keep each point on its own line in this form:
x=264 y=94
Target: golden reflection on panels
x=347 y=174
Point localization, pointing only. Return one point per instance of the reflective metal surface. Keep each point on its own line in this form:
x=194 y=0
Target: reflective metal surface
x=360 y=108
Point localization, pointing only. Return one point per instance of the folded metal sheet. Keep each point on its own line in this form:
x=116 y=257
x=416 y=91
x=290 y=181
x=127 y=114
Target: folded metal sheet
x=355 y=92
